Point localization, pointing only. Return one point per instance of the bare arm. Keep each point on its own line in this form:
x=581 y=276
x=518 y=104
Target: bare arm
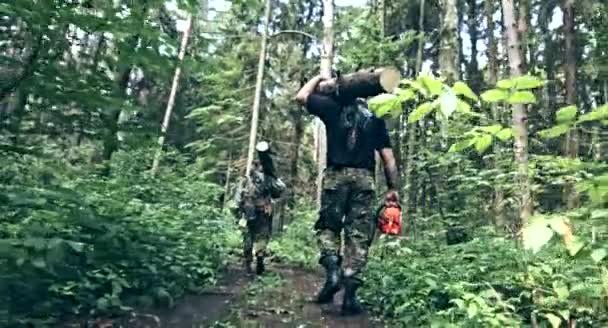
x=308 y=89
x=390 y=169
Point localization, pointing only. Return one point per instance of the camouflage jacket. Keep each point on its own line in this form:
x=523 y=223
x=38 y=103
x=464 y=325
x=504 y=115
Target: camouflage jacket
x=257 y=192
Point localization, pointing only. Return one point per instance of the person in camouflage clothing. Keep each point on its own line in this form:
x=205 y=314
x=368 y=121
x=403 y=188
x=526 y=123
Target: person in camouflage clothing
x=254 y=207
x=353 y=136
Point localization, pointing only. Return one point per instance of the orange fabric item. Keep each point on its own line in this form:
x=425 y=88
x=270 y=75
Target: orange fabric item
x=389 y=221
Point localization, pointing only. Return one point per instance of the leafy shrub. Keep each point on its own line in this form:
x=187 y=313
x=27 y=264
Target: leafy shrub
x=76 y=242
x=298 y=243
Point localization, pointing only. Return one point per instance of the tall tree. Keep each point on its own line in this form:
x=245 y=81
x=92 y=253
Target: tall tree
x=449 y=57
x=327 y=55
x=255 y=112
x=572 y=143
x=171 y=101
x=520 y=116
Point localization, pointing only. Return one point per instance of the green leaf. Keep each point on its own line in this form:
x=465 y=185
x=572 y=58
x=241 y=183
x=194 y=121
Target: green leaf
x=522 y=97
x=599 y=214
x=448 y=103
x=472 y=310
x=462 y=89
x=566 y=114
x=433 y=85
x=383 y=104
x=537 y=234
x=492 y=129
x=463 y=106
x=405 y=94
x=528 y=82
x=553 y=319
x=575 y=246
x=599 y=254
x=462 y=145
x=420 y=112
x=482 y=143
x=600 y=113
x=38 y=262
x=554 y=132
x=494 y=95
x=505 y=134
x=506 y=84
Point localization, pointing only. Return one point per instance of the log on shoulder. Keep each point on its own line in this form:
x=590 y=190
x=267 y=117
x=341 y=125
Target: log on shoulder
x=361 y=84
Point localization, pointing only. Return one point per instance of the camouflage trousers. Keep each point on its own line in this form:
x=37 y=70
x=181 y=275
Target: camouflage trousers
x=257 y=234
x=346 y=204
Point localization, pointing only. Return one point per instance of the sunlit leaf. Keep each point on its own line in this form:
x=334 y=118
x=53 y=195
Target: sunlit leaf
x=482 y=143
x=462 y=89
x=522 y=97
x=537 y=234
x=599 y=254
x=462 y=145
x=448 y=103
x=405 y=94
x=554 y=132
x=494 y=95
x=505 y=84
x=420 y=112
x=463 y=106
x=528 y=82
x=600 y=113
x=384 y=103
x=553 y=319
x=505 y=134
x=492 y=129
x=433 y=85
x=566 y=114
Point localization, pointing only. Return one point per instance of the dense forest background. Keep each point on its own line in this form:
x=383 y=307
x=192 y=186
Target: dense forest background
x=124 y=126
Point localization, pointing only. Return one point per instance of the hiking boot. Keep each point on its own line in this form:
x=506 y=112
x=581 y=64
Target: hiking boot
x=259 y=268
x=351 y=305
x=332 y=280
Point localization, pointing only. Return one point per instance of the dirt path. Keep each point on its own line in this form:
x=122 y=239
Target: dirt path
x=283 y=298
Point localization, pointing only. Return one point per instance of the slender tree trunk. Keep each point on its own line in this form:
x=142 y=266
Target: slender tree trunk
x=258 y=90
x=520 y=118
x=522 y=27
x=572 y=142
x=449 y=60
x=171 y=101
x=227 y=182
x=421 y=37
x=544 y=18
x=327 y=55
x=492 y=54
x=473 y=66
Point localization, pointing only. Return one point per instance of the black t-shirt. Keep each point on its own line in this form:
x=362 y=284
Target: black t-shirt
x=374 y=135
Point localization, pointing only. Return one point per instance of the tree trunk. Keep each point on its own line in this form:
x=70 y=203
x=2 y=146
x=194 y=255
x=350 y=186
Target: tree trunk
x=449 y=60
x=473 y=72
x=522 y=27
x=171 y=101
x=227 y=182
x=362 y=84
x=258 y=90
x=572 y=143
x=421 y=37
x=492 y=54
x=544 y=18
x=327 y=55
x=520 y=118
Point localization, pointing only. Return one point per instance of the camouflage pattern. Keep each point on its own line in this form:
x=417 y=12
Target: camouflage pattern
x=254 y=203
x=346 y=204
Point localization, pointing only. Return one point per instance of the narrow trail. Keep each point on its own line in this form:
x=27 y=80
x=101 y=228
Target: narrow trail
x=281 y=298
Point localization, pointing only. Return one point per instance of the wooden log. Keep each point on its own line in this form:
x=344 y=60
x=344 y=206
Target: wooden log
x=361 y=84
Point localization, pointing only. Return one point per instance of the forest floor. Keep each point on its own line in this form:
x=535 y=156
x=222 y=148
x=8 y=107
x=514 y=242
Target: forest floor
x=281 y=297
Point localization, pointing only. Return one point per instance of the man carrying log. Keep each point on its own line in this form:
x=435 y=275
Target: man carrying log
x=353 y=136
x=254 y=207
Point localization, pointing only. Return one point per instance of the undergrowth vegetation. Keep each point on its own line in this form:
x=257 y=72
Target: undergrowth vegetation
x=79 y=243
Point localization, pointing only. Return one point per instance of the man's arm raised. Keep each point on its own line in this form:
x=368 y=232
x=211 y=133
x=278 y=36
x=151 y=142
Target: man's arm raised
x=308 y=89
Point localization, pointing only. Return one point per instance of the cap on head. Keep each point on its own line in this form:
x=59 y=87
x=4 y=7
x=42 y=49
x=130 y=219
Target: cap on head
x=262 y=146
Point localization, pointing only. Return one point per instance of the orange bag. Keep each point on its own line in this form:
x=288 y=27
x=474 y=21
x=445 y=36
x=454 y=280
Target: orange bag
x=389 y=220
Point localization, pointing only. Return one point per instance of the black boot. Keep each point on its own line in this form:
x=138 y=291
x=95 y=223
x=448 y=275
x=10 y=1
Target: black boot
x=259 y=268
x=332 y=279
x=351 y=305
